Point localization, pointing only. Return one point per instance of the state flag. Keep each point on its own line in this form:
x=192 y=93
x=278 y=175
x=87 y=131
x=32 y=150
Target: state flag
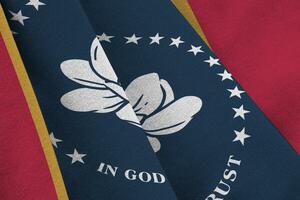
x=138 y=107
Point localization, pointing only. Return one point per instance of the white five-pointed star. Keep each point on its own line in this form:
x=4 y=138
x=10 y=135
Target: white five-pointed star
x=76 y=156
x=155 y=39
x=35 y=4
x=104 y=37
x=235 y=92
x=212 y=61
x=176 y=41
x=241 y=136
x=195 y=50
x=240 y=112
x=225 y=75
x=133 y=39
x=54 y=140
x=18 y=17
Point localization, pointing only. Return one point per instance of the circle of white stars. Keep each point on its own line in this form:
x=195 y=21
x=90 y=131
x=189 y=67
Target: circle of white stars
x=212 y=61
x=235 y=92
x=241 y=136
x=54 y=140
x=239 y=112
x=20 y=18
x=176 y=42
x=155 y=39
x=76 y=157
x=35 y=4
x=105 y=37
x=195 y=50
x=225 y=75
x=132 y=39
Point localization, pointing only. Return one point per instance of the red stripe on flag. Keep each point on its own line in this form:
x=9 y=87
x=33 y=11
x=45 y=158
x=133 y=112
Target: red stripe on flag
x=258 y=41
x=24 y=173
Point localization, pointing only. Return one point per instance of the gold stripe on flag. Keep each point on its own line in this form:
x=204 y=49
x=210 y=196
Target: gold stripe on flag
x=185 y=9
x=33 y=107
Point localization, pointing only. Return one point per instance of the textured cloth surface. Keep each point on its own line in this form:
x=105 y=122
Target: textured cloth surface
x=258 y=41
x=24 y=173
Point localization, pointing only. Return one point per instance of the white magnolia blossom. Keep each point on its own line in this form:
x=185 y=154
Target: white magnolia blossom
x=150 y=103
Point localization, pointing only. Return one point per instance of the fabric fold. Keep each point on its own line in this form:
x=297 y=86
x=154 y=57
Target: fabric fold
x=228 y=149
x=100 y=155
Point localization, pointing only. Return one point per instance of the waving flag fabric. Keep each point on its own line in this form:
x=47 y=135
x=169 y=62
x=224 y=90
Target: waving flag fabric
x=259 y=44
x=102 y=152
x=156 y=53
x=145 y=110
x=25 y=149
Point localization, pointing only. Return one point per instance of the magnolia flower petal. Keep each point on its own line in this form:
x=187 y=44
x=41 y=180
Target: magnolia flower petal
x=127 y=114
x=117 y=89
x=91 y=100
x=169 y=97
x=174 y=117
x=101 y=63
x=145 y=93
x=154 y=143
x=81 y=72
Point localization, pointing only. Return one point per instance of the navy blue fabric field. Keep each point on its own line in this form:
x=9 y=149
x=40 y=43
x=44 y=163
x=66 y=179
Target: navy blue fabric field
x=58 y=33
x=228 y=124
x=154 y=114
